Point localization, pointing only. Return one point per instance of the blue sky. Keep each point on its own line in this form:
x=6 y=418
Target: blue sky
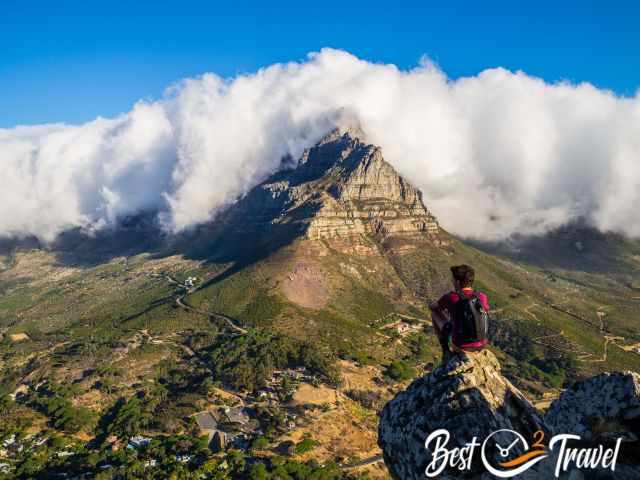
x=69 y=61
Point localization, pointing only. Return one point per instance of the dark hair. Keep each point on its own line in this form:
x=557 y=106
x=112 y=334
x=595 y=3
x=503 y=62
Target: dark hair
x=463 y=274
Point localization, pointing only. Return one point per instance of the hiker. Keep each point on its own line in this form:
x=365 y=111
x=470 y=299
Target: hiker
x=460 y=317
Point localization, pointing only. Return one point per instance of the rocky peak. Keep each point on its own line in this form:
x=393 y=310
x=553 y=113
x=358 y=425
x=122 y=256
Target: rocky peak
x=342 y=187
x=468 y=396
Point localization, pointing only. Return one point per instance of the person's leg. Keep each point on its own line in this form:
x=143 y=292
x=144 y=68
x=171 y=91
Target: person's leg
x=439 y=322
x=436 y=321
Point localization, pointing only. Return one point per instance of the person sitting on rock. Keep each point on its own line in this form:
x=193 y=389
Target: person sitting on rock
x=460 y=318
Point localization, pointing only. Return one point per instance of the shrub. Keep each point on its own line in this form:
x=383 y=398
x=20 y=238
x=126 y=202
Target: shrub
x=54 y=401
x=305 y=445
x=400 y=370
x=259 y=443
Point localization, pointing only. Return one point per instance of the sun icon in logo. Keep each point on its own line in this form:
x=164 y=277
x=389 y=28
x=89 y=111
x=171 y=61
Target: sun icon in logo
x=506 y=453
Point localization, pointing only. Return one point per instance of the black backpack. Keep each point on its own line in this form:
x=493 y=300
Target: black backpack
x=470 y=320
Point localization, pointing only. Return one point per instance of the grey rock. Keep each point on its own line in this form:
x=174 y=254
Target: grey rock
x=467 y=396
x=601 y=406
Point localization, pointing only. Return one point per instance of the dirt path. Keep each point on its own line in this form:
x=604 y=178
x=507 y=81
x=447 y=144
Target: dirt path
x=607 y=340
x=211 y=315
x=363 y=463
x=180 y=301
x=582 y=356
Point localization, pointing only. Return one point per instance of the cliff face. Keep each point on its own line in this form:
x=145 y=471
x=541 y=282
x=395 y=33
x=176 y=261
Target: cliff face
x=469 y=397
x=341 y=187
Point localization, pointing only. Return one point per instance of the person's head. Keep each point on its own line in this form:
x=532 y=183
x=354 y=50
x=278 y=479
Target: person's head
x=463 y=276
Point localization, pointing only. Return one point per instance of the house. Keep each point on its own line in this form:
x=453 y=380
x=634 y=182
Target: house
x=239 y=415
x=207 y=424
x=138 y=441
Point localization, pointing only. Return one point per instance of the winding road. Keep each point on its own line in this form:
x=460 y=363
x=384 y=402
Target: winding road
x=180 y=301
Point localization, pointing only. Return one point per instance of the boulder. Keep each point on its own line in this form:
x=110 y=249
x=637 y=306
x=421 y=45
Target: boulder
x=607 y=405
x=467 y=396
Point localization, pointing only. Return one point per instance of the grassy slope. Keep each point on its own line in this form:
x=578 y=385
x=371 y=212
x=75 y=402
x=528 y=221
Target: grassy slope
x=87 y=313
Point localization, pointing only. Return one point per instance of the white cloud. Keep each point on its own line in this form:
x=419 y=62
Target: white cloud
x=494 y=154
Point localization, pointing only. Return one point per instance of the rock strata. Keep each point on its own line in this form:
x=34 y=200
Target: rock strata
x=341 y=187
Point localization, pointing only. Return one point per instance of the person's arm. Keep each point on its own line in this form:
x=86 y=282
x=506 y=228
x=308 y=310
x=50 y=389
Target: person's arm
x=484 y=300
x=435 y=306
x=442 y=305
x=440 y=317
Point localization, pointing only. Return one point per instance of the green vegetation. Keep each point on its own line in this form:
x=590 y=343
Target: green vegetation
x=273 y=421
x=55 y=402
x=305 y=445
x=111 y=337
x=247 y=361
x=165 y=457
x=13 y=417
x=239 y=296
x=421 y=349
x=400 y=370
x=259 y=442
x=127 y=418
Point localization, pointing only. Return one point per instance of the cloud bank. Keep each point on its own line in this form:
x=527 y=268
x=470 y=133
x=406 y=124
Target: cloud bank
x=495 y=154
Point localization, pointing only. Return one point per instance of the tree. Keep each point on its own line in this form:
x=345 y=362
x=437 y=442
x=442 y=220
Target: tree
x=258 y=472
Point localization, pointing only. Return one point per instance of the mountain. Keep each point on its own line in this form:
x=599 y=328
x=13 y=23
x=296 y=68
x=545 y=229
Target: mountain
x=343 y=188
x=304 y=302
x=340 y=189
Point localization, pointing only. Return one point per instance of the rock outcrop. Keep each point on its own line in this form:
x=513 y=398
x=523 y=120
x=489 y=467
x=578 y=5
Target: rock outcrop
x=365 y=194
x=469 y=397
x=605 y=406
x=466 y=396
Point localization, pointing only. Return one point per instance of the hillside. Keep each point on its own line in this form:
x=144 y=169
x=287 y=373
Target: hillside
x=304 y=302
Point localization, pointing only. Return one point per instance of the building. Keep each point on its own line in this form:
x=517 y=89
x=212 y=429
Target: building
x=206 y=423
x=138 y=441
